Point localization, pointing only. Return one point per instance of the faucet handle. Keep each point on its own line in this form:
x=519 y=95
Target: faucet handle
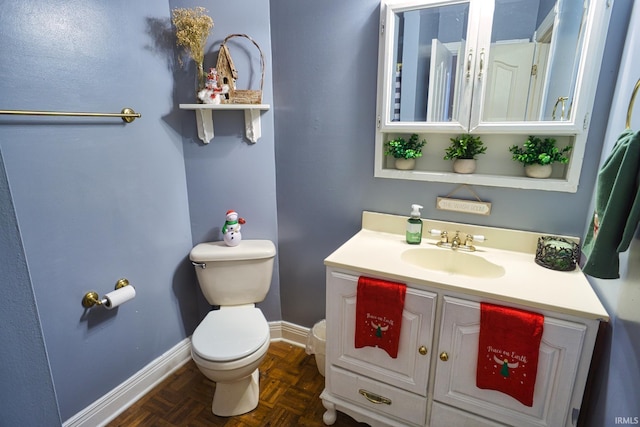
x=444 y=237
x=469 y=240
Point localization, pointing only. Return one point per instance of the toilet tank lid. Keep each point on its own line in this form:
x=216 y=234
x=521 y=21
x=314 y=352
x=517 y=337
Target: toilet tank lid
x=219 y=251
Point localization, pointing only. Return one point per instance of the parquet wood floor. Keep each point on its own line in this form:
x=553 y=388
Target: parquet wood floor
x=290 y=386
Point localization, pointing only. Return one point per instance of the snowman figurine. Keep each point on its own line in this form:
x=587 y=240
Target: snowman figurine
x=231 y=229
x=212 y=93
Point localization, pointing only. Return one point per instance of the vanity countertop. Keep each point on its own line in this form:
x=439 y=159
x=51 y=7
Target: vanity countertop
x=378 y=247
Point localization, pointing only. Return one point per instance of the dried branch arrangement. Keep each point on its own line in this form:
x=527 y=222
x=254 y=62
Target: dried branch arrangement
x=192 y=30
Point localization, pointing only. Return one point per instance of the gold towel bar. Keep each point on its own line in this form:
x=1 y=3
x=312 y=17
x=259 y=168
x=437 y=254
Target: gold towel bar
x=633 y=98
x=127 y=114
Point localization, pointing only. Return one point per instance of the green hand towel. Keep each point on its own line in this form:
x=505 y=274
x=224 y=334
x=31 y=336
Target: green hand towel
x=617 y=208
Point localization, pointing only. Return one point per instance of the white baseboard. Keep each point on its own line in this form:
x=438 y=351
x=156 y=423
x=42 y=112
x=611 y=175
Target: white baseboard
x=288 y=332
x=112 y=404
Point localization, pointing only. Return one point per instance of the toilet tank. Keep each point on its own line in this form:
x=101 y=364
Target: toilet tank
x=234 y=275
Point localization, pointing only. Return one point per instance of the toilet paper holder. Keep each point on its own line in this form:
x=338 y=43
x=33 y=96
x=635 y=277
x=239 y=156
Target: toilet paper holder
x=92 y=298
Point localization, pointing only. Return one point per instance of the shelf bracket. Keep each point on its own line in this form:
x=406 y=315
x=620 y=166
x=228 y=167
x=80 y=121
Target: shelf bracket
x=252 y=126
x=204 y=119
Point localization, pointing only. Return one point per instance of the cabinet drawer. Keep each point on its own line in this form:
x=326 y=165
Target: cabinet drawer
x=394 y=402
x=410 y=370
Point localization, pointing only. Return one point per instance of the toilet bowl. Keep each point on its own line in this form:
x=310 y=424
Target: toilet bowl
x=231 y=342
x=228 y=347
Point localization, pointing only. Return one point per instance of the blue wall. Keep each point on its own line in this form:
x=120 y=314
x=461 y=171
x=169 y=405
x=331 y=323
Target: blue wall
x=24 y=367
x=230 y=172
x=324 y=96
x=95 y=200
x=616 y=388
x=325 y=123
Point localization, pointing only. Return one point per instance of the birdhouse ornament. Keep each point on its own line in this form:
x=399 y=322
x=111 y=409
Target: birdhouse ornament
x=231 y=229
x=228 y=75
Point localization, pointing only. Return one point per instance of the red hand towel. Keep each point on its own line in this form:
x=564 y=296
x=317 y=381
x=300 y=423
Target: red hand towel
x=508 y=351
x=379 y=306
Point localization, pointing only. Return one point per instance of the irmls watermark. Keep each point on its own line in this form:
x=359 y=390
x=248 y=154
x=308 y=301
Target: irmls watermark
x=627 y=420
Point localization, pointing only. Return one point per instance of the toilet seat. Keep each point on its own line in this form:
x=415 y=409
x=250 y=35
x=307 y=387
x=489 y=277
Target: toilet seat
x=230 y=333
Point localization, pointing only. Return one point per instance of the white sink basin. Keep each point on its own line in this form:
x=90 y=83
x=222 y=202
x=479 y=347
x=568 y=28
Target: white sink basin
x=452 y=262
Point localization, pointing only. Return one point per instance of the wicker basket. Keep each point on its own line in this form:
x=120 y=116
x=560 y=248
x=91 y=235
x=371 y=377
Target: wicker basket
x=228 y=75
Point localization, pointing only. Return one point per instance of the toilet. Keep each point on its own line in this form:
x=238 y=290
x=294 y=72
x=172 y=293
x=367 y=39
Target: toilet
x=230 y=343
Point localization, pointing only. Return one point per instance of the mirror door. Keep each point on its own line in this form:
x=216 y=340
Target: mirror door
x=429 y=72
x=495 y=64
x=534 y=52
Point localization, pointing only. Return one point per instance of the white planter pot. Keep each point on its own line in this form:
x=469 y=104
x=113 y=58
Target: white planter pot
x=405 y=164
x=464 y=165
x=538 y=171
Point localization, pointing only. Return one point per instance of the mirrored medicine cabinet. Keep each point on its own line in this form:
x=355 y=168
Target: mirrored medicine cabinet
x=501 y=69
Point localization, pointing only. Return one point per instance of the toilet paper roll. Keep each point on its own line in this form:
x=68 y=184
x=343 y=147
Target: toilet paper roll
x=119 y=296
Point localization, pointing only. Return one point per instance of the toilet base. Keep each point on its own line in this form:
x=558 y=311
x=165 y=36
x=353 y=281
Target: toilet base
x=238 y=397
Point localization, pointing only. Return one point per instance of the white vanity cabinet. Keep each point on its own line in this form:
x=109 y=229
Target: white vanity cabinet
x=432 y=382
x=366 y=382
x=455 y=377
x=369 y=385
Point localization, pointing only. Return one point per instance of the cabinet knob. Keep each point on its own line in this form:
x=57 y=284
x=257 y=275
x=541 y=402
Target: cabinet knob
x=444 y=356
x=422 y=350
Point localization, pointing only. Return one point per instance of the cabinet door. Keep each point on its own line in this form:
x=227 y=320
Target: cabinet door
x=410 y=370
x=427 y=68
x=455 y=382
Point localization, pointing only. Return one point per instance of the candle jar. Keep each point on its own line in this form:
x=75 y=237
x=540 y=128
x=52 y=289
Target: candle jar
x=557 y=253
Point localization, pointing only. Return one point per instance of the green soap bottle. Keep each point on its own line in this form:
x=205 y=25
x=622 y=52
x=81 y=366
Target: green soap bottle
x=414 y=226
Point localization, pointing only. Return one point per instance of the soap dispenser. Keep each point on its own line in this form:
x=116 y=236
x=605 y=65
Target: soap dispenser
x=414 y=226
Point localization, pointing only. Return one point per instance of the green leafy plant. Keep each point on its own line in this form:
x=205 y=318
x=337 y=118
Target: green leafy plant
x=399 y=148
x=539 y=151
x=464 y=146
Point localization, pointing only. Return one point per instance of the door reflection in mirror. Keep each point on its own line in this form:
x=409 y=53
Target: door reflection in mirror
x=533 y=63
x=429 y=51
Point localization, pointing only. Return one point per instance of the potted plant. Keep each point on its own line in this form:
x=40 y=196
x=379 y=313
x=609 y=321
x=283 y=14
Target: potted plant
x=463 y=151
x=405 y=152
x=537 y=155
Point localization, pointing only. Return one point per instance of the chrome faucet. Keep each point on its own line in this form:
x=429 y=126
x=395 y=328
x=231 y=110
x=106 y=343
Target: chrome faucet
x=456 y=242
